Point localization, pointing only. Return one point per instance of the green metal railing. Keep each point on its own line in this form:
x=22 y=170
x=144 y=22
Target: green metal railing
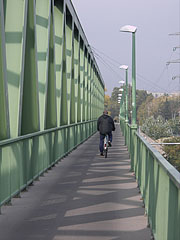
x=25 y=158
x=159 y=183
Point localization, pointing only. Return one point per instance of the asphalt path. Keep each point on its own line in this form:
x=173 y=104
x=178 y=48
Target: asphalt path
x=84 y=197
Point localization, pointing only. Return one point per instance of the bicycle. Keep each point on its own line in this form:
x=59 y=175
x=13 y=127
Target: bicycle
x=106 y=144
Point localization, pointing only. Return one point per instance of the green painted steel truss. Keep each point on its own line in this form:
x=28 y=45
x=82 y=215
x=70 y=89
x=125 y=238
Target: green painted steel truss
x=51 y=89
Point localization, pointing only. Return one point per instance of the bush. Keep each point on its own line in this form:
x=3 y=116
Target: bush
x=173 y=152
x=174 y=123
x=156 y=128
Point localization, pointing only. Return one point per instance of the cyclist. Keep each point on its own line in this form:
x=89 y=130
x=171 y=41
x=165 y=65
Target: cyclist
x=105 y=125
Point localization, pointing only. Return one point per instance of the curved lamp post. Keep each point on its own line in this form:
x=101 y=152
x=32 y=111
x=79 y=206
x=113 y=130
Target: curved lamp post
x=132 y=29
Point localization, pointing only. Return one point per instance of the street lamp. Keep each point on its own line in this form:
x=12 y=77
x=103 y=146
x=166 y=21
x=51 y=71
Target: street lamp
x=132 y=29
x=122 y=82
x=125 y=67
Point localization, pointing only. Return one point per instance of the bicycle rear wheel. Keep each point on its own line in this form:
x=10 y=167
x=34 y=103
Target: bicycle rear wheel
x=105 y=155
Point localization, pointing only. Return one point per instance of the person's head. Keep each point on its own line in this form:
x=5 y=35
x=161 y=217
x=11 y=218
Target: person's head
x=105 y=112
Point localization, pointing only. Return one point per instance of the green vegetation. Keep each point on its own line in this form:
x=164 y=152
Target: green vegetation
x=158 y=118
x=167 y=107
x=111 y=103
x=163 y=121
x=173 y=152
x=157 y=128
x=113 y=107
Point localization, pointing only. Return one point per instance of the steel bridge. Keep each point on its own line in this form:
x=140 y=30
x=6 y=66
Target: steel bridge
x=51 y=94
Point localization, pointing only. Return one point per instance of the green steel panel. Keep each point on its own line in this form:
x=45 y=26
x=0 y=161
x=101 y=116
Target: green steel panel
x=58 y=143
x=95 y=96
x=4 y=120
x=78 y=134
x=5 y=174
x=85 y=86
x=92 y=90
x=76 y=75
x=173 y=218
x=92 y=98
x=64 y=84
x=161 y=211
x=79 y=85
x=30 y=104
x=82 y=80
x=34 y=153
x=68 y=62
x=43 y=152
x=71 y=138
x=16 y=158
x=88 y=88
x=51 y=114
x=15 y=30
x=58 y=25
x=43 y=28
x=29 y=161
x=72 y=98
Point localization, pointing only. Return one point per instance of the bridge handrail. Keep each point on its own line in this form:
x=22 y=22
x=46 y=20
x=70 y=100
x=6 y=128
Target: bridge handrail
x=170 y=170
x=39 y=133
x=25 y=158
x=158 y=182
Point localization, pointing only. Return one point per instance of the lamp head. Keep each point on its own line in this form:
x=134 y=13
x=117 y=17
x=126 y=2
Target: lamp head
x=128 y=28
x=122 y=82
x=125 y=67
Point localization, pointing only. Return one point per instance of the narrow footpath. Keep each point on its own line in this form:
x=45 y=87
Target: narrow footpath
x=84 y=197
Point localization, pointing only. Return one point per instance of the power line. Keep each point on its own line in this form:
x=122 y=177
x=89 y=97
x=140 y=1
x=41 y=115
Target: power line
x=115 y=66
x=140 y=76
x=107 y=65
x=113 y=60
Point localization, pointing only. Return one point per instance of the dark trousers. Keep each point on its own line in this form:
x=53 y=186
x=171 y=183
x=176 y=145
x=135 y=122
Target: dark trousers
x=101 y=144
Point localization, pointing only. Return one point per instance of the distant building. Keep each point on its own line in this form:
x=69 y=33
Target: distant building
x=175 y=94
x=156 y=95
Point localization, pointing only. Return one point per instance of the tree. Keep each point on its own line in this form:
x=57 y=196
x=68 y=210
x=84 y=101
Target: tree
x=156 y=128
x=141 y=96
x=110 y=103
x=107 y=100
x=114 y=95
x=114 y=106
x=165 y=109
x=166 y=106
x=145 y=109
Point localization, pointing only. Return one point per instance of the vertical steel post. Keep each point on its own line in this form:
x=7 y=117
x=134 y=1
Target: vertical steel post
x=133 y=81
x=127 y=95
x=124 y=103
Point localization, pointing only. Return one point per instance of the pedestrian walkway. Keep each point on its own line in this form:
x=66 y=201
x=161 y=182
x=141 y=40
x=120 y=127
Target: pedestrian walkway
x=85 y=197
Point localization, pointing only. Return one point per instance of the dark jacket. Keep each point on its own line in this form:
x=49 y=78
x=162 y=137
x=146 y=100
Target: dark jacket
x=105 y=124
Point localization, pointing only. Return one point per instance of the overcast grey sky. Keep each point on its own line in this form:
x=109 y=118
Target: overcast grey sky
x=155 y=19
